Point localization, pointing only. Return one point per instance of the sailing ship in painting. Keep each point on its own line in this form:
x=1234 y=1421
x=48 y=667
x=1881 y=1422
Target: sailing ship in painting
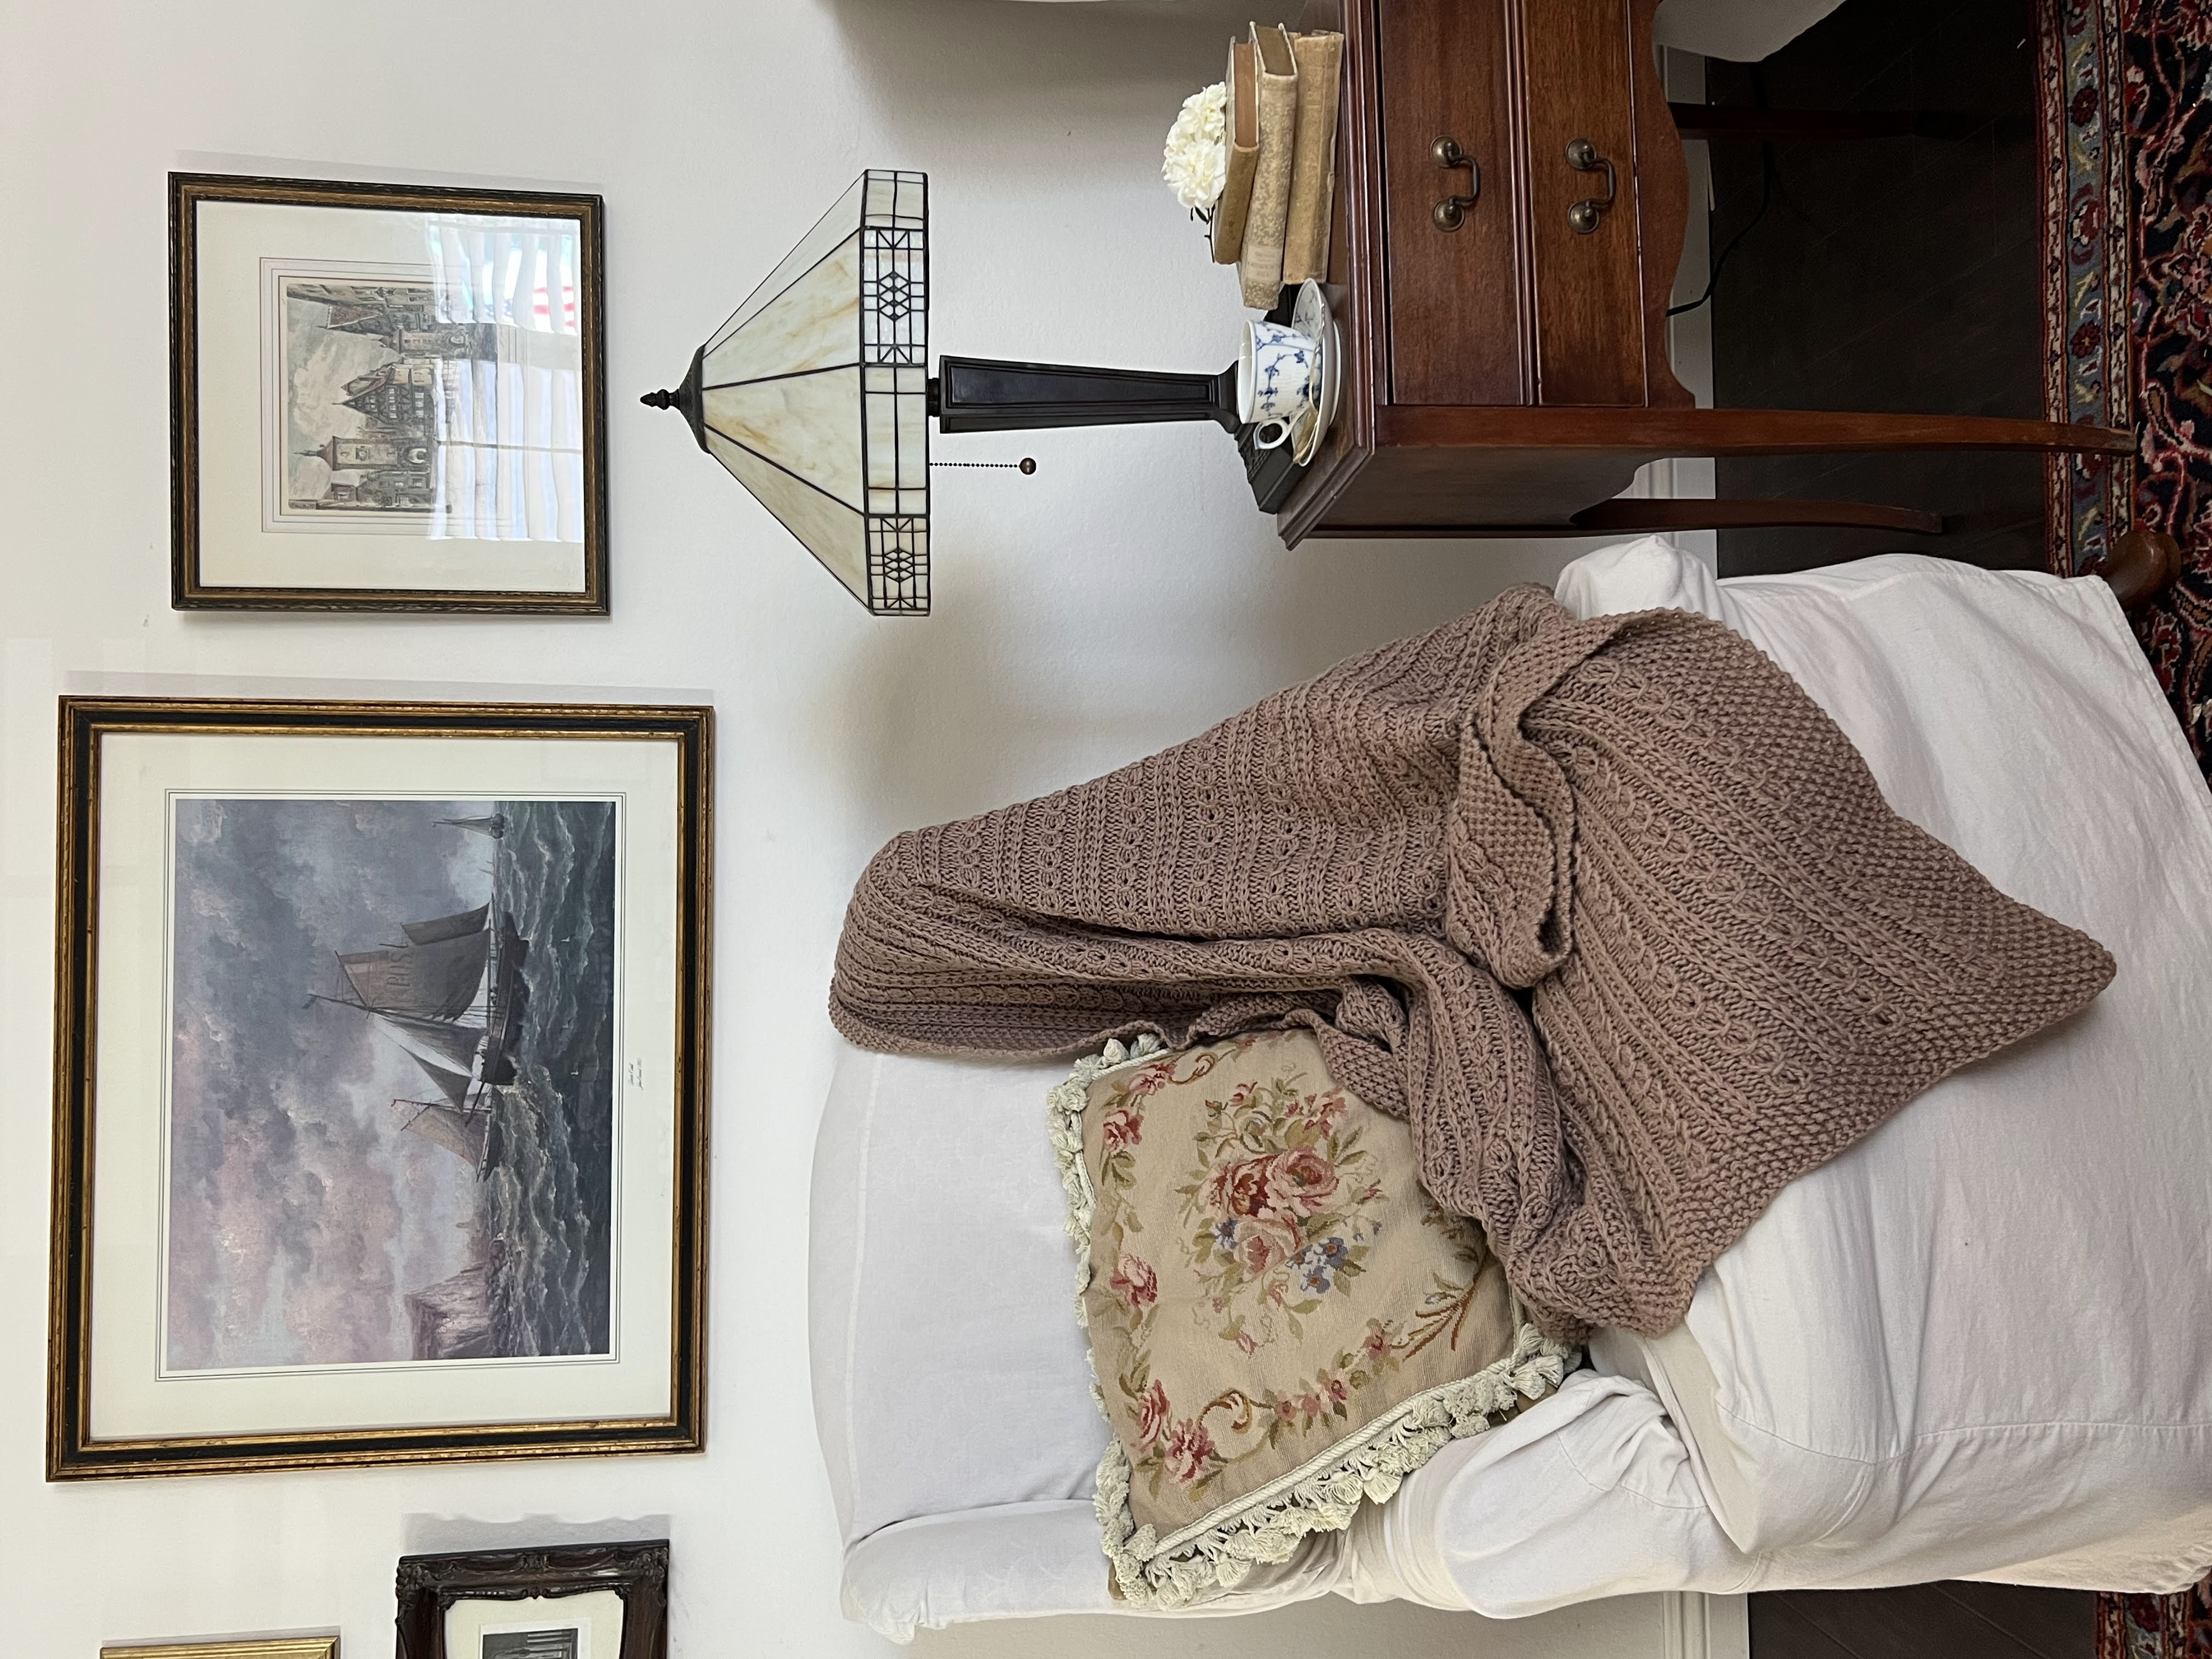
x=448 y=995
x=416 y=1161
x=524 y=1103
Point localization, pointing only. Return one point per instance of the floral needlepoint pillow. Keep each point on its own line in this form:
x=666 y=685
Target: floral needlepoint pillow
x=1283 y=1323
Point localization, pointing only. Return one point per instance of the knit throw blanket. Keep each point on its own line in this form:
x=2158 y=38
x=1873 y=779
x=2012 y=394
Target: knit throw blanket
x=1609 y=910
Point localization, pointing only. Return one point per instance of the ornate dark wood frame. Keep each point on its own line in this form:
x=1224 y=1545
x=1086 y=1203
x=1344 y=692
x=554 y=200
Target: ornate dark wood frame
x=429 y=1584
x=187 y=191
x=72 y=1453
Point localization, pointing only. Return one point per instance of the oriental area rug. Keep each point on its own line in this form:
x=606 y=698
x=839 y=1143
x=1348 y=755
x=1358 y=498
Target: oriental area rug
x=2126 y=114
x=2156 y=1627
x=2126 y=110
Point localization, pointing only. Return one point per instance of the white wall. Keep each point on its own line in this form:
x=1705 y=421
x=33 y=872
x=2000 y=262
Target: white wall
x=1119 y=600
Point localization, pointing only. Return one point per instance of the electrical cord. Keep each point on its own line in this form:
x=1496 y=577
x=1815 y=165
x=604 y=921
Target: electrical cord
x=1767 y=172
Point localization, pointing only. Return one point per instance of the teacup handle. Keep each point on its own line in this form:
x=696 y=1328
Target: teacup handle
x=1261 y=441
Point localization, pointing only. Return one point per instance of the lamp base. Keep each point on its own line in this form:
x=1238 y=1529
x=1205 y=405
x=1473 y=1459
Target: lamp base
x=981 y=394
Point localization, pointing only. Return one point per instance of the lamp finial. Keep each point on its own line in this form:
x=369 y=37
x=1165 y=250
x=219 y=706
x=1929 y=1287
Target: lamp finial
x=661 y=399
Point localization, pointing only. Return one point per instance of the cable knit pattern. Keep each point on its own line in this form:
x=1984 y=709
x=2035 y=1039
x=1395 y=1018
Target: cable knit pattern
x=1733 y=960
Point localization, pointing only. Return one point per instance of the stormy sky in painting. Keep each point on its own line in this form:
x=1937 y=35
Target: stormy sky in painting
x=299 y=1217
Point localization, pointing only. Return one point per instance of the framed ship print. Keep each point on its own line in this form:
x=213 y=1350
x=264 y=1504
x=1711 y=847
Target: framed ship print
x=380 y=1084
x=385 y=398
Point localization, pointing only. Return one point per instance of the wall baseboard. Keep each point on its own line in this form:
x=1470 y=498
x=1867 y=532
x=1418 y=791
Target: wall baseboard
x=1700 y=1626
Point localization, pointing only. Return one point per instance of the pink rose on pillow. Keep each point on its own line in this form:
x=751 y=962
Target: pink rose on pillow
x=1320 y=1111
x=1189 y=1449
x=1279 y=1186
x=1151 y=1080
x=1260 y=1250
x=1240 y=1189
x=1121 y=1128
x=1151 y=1414
x=1264 y=1245
x=1300 y=1183
x=1135 y=1283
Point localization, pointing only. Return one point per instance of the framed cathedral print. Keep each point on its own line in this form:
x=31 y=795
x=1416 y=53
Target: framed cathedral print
x=381 y=1086
x=385 y=398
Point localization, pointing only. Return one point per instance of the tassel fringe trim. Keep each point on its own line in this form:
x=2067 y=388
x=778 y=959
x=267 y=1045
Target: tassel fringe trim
x=1203 y=1561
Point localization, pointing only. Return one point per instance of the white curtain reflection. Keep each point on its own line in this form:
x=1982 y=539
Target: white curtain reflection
x=509 y=462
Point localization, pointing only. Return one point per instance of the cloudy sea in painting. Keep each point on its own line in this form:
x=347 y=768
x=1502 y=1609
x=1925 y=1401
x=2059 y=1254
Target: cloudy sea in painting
x=391 y=1106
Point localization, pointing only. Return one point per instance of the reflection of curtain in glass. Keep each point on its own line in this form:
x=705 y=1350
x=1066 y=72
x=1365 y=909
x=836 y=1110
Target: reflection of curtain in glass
x=508 y=464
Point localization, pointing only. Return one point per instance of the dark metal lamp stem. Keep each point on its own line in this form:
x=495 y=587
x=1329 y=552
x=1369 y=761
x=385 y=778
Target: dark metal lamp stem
x=981 y=394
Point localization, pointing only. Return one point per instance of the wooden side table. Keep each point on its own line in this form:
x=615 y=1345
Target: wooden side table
x=1511 y=200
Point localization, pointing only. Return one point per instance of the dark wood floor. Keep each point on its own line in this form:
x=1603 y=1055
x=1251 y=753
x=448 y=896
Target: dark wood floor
x=1924 y=1621
x=1887 y=274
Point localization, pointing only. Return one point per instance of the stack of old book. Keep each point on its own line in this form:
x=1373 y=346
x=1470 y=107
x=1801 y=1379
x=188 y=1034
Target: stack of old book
x=1280 y=160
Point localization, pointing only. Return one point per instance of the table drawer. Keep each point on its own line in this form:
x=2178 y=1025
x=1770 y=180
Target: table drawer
x=1454 y=324
x=1586 y=278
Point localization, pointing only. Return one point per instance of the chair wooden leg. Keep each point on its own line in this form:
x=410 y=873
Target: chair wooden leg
x=2141 y=565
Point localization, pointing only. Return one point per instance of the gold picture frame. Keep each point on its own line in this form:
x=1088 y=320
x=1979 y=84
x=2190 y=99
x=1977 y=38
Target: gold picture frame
x=386 y=398
x=583 y=1106
x=281 y=1647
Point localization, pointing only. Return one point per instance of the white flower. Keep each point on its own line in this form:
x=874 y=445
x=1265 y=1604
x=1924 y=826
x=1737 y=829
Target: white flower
x=1193 y=163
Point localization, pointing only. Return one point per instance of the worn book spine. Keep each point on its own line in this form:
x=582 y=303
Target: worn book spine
x=1240 y=143
x=1259 y=267
x=1313 y=159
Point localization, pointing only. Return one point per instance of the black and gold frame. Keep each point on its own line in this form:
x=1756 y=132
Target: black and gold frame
x=380 y=1105
x=385 y=398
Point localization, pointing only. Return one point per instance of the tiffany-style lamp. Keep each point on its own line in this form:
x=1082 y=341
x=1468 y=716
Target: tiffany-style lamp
x=817 y=394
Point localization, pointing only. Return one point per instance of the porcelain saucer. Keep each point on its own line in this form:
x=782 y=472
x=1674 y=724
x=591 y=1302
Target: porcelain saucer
x=1310 y=317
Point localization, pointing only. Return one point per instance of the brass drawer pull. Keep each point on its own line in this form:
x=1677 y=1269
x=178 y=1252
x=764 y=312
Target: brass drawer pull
x=1582 y=217
x=1451 y=213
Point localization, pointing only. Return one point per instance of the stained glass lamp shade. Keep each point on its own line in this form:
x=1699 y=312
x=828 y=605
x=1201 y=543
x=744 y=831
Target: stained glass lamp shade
x=816 y=394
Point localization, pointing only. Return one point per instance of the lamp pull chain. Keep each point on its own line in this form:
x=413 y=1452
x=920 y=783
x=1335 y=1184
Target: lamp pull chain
x=1027 y=464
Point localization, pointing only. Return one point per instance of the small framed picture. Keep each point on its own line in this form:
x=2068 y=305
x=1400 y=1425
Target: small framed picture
x=380 y=1108
x=579 y=1601
x=385 y=398
x=282 y=1647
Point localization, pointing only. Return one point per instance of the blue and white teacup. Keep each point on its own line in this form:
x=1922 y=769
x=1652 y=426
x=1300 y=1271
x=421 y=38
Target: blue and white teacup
x=1277 y=381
